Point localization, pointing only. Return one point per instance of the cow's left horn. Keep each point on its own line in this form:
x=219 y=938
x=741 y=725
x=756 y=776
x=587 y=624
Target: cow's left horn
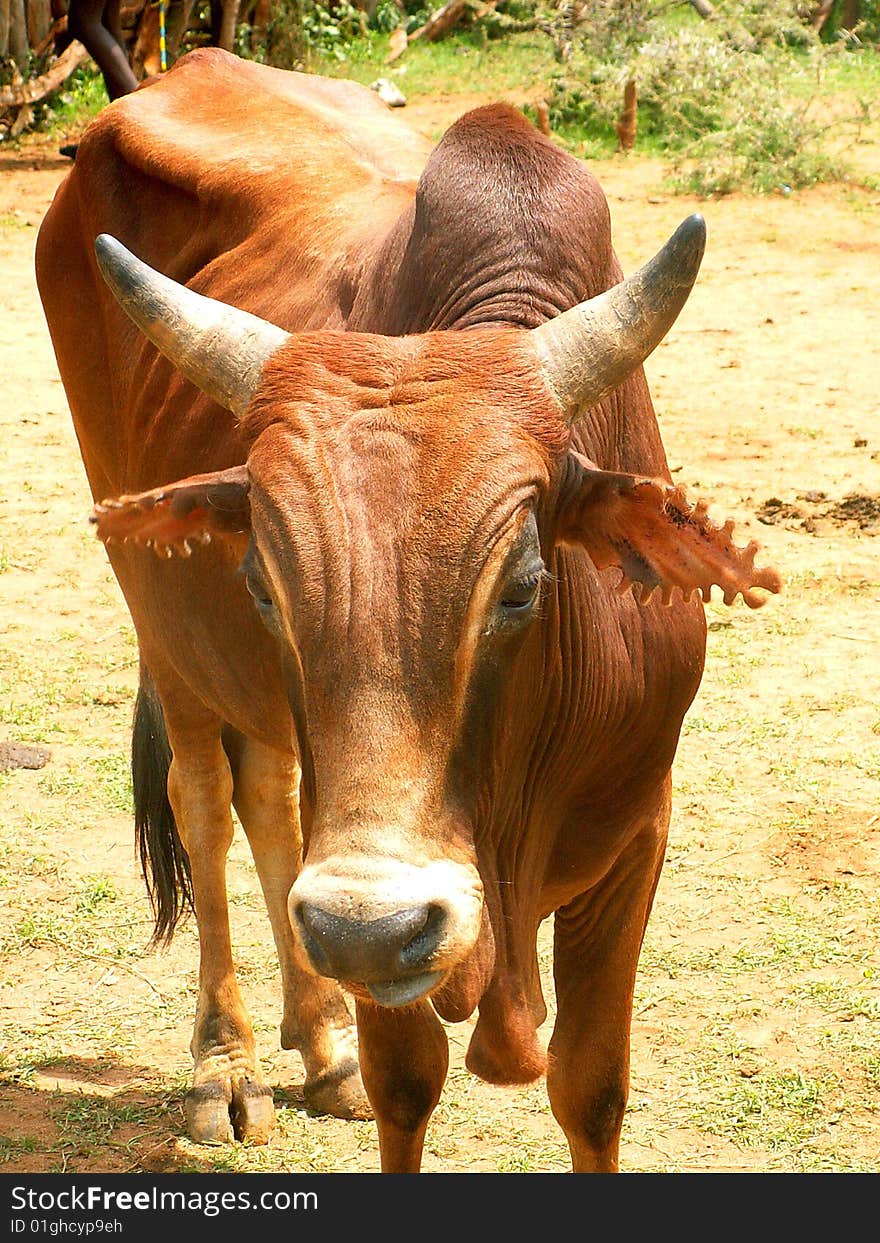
x=220 y=348
x=589 y=350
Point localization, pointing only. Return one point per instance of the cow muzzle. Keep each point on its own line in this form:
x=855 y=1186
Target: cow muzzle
x=393 y=928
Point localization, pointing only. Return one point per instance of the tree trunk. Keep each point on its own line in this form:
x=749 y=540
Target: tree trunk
x=852 y=12
x=18 y=41
x=260 y=23
x=39 y=21
x=224 y=23
x=179 y=14
x=4 y=29
x=704 y=8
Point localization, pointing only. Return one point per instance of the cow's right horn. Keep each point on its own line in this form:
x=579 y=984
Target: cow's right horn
x=587 y=351
x=220 y=348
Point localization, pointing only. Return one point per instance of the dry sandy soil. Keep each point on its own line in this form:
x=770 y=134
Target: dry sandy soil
x=755 y=1036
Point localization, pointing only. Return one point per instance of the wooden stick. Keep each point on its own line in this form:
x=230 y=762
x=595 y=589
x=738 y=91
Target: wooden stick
x=38 y=88
x=22 y=121
x=39 y=19
x=627 y=124
x=59 y=27
x=542 y=112
x=441 y=21
x=820 y=17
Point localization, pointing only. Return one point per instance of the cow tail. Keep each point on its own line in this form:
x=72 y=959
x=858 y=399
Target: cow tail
x=164 y=861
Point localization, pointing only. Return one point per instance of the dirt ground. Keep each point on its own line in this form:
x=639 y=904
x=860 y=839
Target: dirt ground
x=755 y=1035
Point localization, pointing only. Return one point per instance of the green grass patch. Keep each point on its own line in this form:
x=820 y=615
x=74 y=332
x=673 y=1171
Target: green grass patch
x=9 y=220
x=114 y=780
x=779 y=1110
x=462 y=63
x=90 y=1122
x=96 y=893
x=81 y=99
x=14 y=1146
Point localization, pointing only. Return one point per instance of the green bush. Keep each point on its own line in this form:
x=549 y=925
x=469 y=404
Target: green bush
x=756 y=24
x=720 y=97
x=299 y=28
x=684 y=81
x=774 y=150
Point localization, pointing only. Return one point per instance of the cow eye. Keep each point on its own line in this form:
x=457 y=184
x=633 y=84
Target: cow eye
x=254 y=583
x=258 y=593
x=520 y=595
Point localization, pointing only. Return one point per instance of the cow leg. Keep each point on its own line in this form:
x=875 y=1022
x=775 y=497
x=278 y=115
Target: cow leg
x=404 y=1058
x=99 y=35
x=316 y=1020
x=228 y=1095
x=597 y=940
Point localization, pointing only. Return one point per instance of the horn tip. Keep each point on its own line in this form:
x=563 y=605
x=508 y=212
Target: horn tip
x=691 y=235
x=122 y=270
x=110 y=254
x=106 y=245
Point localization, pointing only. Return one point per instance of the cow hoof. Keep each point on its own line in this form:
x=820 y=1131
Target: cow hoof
x=339 y=1092
x=206 y=1109
x=217 y=1113
x=253 y=1113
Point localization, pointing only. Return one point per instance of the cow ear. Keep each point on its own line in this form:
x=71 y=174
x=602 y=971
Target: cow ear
x=172 y=518
x=648 y=530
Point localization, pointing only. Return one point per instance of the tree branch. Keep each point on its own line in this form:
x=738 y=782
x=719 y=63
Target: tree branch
x=16 y=96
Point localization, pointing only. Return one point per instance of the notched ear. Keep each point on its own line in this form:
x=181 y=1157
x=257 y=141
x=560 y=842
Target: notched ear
x=173 y=518
x=647 y=528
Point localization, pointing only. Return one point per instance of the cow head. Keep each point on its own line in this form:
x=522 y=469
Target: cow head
x=397 y=515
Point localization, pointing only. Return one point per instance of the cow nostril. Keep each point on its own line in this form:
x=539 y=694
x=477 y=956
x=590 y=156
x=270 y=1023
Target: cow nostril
x=370 y=949
x=424 y=943
x=308 y=924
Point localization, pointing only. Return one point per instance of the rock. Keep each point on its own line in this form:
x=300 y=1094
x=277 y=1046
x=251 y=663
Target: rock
x=388 y=92
x=22 y=755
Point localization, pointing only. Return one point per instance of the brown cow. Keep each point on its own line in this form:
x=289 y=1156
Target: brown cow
x=420 y=600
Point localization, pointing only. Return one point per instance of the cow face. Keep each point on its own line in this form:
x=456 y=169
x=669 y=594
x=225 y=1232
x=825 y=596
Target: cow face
x=396 y=515
x=397 y=507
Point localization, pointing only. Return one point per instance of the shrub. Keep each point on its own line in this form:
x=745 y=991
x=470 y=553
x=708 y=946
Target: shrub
x=683 y=83
x=717 y=96
x=776 y=148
